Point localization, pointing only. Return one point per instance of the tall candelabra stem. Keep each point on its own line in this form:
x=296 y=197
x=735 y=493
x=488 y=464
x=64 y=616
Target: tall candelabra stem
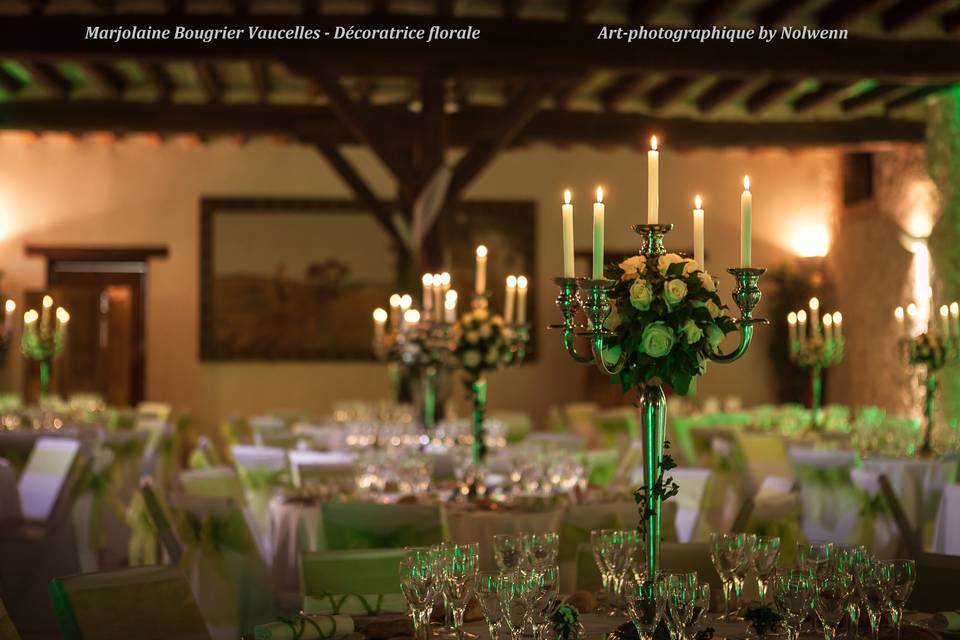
x=600 y=356
x=653 y=421
x=46 y=368
x=478 y=389
x=429 y=397
x=931 y=384
x=816 y=396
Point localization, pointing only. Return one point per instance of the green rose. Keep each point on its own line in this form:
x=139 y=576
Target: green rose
x=713 y=308
x=641 y=295
x=692 y=331
x=674 y=291
x=714 y=336
x=657 y=339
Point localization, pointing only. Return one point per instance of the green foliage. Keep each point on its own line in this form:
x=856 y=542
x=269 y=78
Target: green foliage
x=482 y=343
x=762 y=618
x=565 y=619
x=664 y=488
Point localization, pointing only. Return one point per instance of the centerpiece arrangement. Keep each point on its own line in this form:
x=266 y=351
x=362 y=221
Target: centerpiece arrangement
x=654 y=319
x=44 y=339
x=934 y=347
x=816 y=348
x=433 y=341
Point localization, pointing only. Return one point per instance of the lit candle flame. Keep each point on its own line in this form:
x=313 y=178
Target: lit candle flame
x=814 y=304
x=451 y=295
x=801 y=316
x=411 y=316
x=395 y=300
x=511 y=281
x=944 y=310
x=47 y=302
x=837 y=318
x=827 y=320
x=653 y=143
x=11 y=306
x=746 y=183
x=911 y=309
x=62 y=315
x=599 y=194
x=379 y=315
x=898 y=313
x=792 y=317
x=405 y=301
x=427 y=279
x=522 y=282
x=566 y=196
x=482 y=251
x=445 y=279
x=697 y=202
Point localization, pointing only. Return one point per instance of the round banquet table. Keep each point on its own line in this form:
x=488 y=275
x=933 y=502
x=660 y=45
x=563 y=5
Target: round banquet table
x=918 y=483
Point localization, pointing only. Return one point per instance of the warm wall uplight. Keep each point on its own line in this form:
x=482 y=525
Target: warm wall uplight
x=810 y=241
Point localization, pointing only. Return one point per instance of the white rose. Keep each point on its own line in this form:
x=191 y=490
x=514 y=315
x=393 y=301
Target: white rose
x=692 y=331
x=480 y=315
x=714 y=336
x=471 y=359
x=633 y=267
x=485 y=331
x=707 y=282
x=613 y=320
x=712 y=308
x=667 y=259
x=641 y=295
x=471 y=337
x=492 y=356
x=674 y=291
x=690 y=266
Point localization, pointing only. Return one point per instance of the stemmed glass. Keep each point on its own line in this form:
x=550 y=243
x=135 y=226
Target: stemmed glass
x=541 y=549
x=792 y=596
x=873 y=584
x=488 y=596
x=815 y=558
x=765 y=551
x=601 y=553
x=902 y=576
x=830 y=602
x=508 y=551
x=419 y=581
x=680 y=592
x=726 y=556
x=623 y=546
x=460 y=564
x=514 y=603
x=845 y=561
x=544 y=585
x=645 y=605
x=744 y=543
x=701 y=606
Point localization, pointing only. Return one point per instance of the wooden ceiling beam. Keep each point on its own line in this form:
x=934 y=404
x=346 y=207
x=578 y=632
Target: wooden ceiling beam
x=668 y=91
x=357 y=119
x=776 y=11
x=444 y=8
x=767 y=95
x=159 y=79
x=379 y=7
x=10 y=83
x=107 y=79
x=710 y=12
x=643 y=11
x=36 y=7
x=819 y=96
x=176 y=7
x=509 y=124
x=262 y=83
x=840 y=13
x=866 y=98
x=512 y=8
x=434 y=126
x=209 y=80
x=912 y=97
x=579 y=10
x=362 y=191
x=621 y=88
x=310 y=7
x=906 y=12
x=567 y=91
x=950 y=21
x=719 y=93
x=319 y=125
x=241 y=7
x=47 y=76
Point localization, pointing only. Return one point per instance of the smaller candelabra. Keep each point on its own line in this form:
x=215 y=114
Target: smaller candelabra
x=6 y=336
x=816 y=345
x=929 y=351
x=44 y=338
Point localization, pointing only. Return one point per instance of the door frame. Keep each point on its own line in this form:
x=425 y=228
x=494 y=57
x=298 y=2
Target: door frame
x=131 y=266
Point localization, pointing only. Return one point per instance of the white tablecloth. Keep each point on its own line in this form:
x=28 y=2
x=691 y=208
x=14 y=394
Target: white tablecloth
x=294 y=527
x=918 y=484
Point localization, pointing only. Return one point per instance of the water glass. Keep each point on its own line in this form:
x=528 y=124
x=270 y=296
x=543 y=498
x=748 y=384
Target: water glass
x=514 y=602
x=873 y=584
x=765 y=551
x=645 y=605
x=830 y=602
x=728 y=553
x=508 y=551
x=488 y=597
x=902 y=576
x=419 y=583
x=792 y=596
x=541 y=549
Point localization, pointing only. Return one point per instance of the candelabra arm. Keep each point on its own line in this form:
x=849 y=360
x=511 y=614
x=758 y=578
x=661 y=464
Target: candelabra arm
x=746 y=336
x=601 y=360
x=747 y=297
x=568 y=343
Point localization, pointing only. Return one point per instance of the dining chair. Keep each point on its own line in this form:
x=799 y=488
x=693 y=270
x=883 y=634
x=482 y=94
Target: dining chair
x=356 y=582
x=149 y=603
x=161 y=522
x=52 y=461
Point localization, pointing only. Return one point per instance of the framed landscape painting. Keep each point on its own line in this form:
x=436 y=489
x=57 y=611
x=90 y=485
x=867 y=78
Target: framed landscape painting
x=297 y=279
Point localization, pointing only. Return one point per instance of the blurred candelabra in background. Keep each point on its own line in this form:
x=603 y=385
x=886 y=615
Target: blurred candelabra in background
x=816 y=347
x=44 y=338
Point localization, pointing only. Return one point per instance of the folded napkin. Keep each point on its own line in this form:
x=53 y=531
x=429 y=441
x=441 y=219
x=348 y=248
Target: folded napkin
x=945 y=621
x=305 y=627
x=355 y=604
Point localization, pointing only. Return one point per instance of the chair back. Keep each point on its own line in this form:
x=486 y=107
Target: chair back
x=363 y=525
x=48 y=468
x=945 y=533
x=215 y=482
x=158 y=514
x=160 y=410
x=7 y=630
x=365 y=581
x=763 y=454
x=279 y=439
x=320 y=467
x=148 y=603
x=518 y=424
x=9 y=496
x=694 y=484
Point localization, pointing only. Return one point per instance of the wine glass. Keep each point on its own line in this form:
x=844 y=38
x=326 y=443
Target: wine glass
x=701 y=606
x=541 y=549
x=488 y=596
x=419 y=581
x=600 y=548
x=815 y=557
x=873 y=583
x=725 y=556
x=623 y=546
x=793 y=598
x=514 y=602
x=830 y=602
x=508 y=551
x=459 y=580
x=765 y=551
x=544 y=592
x=680 y=597
x=744 y=543
x=645 y=605
x=902 y=576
